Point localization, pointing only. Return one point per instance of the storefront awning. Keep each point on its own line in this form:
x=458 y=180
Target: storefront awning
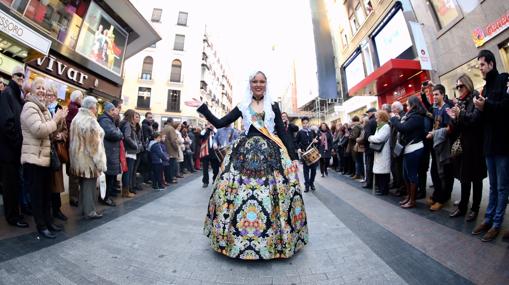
x=388 y=76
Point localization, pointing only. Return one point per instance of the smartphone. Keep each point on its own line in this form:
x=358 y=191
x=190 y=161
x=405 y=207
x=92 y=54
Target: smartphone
x=425 y=83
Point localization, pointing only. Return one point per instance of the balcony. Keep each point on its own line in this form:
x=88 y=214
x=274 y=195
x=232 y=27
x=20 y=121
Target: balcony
x=145 y=78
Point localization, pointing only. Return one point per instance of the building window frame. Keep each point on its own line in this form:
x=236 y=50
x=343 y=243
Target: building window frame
x=147 y=68
x=173 y=101
x=179 y=42
x=176 y=71
x=182 y=18
x=156 y=15
x=145 y=93
x=444 y=28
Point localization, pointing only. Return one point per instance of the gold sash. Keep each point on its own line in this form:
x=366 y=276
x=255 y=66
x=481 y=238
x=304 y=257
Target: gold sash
x=269 y=135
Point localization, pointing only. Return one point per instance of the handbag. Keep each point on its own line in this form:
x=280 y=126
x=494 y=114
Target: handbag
x=123 y=159
x=398 y=149
x=456 y=148
x=63 y=153
x=54 y=161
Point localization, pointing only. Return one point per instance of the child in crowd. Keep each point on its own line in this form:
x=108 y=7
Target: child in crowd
x=157 y=157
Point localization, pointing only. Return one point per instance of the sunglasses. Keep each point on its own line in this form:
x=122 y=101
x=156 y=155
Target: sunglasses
x=18 y=74
x=458 y=87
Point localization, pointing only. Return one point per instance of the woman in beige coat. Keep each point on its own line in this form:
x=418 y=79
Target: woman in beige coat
x=36 y=127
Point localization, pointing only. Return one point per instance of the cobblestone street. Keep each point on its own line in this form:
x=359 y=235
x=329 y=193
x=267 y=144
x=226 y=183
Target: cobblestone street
x=355 y=238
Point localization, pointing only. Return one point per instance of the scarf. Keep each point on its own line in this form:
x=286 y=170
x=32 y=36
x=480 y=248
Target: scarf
x=380 y=125
x=323 y=140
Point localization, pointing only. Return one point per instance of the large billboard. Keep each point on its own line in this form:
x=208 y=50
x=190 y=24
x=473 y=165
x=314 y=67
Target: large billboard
x=102 y=40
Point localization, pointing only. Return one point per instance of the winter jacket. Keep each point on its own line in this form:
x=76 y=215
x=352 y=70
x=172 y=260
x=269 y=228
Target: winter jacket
x=471 y=164
x=86 y=146
x=325 y=153
x=112 y=137
x=131 y=142
x=369 y=130
x=71 y=113
x=148 y=132
x=157 y=155
x=36 y=126
x=382 y=162
x=410 y=128
x=496 y=110
x=11 y=138
x=171 y=141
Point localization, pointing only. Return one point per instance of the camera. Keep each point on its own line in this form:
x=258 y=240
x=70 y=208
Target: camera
x=425 y=83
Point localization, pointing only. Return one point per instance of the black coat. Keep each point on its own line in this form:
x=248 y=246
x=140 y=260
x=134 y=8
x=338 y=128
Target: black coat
x=410 y=128
x=11 y=137
x=369 y=130
x=325 y=153
x=496 y=109
x=148 y=132
x=471 y=164
x=304 y=138
x=112 y=138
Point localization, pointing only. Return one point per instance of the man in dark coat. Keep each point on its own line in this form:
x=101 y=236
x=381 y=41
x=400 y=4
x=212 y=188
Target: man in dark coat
x=112 y=137
x=11 y=104
x=369 y=130
x=494 y=105
x=148 y=135
x=207 y=155
x=305 y=137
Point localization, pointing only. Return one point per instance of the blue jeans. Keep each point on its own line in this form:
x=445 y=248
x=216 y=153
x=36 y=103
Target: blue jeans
x=498 y=171
x=130 y=175
x=411 y=162
x=359 y=163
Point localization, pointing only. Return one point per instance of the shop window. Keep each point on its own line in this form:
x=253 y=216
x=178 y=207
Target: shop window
x=62 y=19
x=19 y=5
x=173 y=102
x=144 y=94
x=103 y=41
x=146 y=70
x=182 y=19
x=179 y=42
x=176 y=71
x=156 y=15
x=445 y=11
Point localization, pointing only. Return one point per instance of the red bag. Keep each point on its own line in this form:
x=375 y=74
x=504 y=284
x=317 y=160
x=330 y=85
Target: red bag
x=123 y=159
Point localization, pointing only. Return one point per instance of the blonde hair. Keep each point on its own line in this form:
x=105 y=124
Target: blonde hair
x=51 y=86
x=467 y=81
x=36 y=82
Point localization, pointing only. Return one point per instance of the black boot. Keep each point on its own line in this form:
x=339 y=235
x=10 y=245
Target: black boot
x=59 y=215
x=46 y=234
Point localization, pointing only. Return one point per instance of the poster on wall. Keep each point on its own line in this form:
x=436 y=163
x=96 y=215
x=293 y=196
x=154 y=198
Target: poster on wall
x=102 y=40
x=420 y=45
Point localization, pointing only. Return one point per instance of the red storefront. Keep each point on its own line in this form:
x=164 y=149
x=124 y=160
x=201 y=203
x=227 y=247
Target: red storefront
x=396 y=80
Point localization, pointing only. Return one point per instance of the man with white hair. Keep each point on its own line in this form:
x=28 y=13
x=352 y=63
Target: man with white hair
x=11 y=138
x=397 y=161
x=74 y=106
x=87 y=155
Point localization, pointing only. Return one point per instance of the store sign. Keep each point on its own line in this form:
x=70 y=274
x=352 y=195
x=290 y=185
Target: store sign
x=60 y=69
x=23 y=34
x=482 y=35
x=420 y=46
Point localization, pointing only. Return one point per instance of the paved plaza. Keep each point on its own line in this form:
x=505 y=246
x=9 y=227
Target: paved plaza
x=355 y=238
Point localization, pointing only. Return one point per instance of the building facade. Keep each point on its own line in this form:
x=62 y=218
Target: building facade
x=182 y=66
x=455 y=32
x=75 y=45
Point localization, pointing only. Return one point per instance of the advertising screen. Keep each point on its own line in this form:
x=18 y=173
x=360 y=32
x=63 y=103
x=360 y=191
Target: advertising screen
x=394 y=39
x=102 y=39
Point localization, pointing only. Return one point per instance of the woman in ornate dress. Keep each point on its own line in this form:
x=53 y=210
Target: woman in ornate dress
x=256 y=210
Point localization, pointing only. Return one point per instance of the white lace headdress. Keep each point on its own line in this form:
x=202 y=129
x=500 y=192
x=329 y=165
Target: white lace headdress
x=267 y=105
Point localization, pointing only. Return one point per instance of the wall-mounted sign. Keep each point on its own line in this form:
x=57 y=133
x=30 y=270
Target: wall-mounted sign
x=482 y=35
x=61 y=68
x=21 y=33
x=420 y=46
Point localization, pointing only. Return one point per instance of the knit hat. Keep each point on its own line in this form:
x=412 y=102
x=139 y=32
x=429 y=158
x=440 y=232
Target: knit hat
x=108 y=106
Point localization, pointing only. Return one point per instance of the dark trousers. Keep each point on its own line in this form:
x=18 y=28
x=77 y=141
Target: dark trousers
x=370 y=159
x=146 y=166
x=56 y=202
x=324 y=164
x=128 y=177
x=111 y=181
x=37 y=179
x=349 y=164
x=359 y=163
x=397 y=171
x=423 y=170
x=157 y=173
x=135 y=171
x=309 y=174
x=11 y=180
x=382 y=181
x=445 y=182
x=214 y=164
x=465 y=195
x=173 y=168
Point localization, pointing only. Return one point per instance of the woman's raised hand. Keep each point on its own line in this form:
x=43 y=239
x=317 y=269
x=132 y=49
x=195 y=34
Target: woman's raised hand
x=193 y=103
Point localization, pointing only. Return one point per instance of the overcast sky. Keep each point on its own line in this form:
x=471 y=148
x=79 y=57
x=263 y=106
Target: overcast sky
x=247 y=31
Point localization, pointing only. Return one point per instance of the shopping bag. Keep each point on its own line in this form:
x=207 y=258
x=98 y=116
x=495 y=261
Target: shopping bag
x=102 y=185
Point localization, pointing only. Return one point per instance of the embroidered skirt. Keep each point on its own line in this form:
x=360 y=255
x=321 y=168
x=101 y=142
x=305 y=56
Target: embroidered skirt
x=256 y=210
